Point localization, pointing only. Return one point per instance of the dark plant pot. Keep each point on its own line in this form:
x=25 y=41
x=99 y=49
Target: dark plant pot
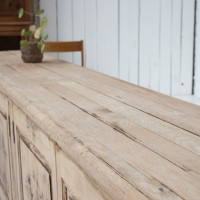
x=31 y=53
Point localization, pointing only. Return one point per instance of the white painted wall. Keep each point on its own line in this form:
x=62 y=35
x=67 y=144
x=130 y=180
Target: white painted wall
x=146 y=42
x=197 y=52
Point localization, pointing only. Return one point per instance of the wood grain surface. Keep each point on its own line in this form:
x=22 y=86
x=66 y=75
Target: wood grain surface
x=131 y=142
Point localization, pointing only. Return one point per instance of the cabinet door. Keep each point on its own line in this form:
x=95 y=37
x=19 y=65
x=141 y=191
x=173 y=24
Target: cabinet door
x=73 y=183
x=36 y=159
x=35 y=177
x=5 y=170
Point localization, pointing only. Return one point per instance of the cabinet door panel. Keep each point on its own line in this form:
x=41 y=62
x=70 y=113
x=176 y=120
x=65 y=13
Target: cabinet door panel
x=38 y=143
x=73 y=183
x=5 y=178
x=35 y=178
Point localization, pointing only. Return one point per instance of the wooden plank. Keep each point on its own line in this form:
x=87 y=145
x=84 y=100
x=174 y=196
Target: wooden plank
x=165 y=46
x=187 y=46
x=155 y=125
x=78 y=25
x=91 y=34
x=88 y=126
x=174 y=134
x=124 y=92
x=105 y=86
x=135 y=174
x=171 y=133
x=35 y=178
x=118 y=122
x=69 y=121
x=65 y=30
x=107 y=37
x=168 y=101
x=100 y=173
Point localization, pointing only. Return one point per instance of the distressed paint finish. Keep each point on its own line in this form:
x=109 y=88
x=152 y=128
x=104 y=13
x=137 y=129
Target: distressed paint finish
x=35 y=178
x=5 y=178
x=5 y=171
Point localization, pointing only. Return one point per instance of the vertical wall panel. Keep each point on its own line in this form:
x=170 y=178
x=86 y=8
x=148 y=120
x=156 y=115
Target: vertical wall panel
x=65 y=25
x=91 y=34
x=107 y=36
x=144 y=53
x=154 y=35
x=187 y=46
x=165 y=45
x=149 y=44
x=146 y=42
x=197 y=52
x=51 y=13
x=134 y=9
x=176 y=46
x=124 y=62
x=78 y=25
x=128 y=33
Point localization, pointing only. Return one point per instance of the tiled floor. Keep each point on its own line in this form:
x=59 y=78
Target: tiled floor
x=190 y=98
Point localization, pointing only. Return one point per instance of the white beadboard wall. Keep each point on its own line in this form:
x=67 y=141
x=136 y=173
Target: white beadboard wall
x=197 y=52
x=146 y=42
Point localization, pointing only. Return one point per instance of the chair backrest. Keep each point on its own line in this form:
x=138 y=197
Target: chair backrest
x=71 y=46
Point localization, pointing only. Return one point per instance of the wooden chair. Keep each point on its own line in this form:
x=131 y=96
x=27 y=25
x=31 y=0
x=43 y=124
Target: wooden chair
x=66 y=47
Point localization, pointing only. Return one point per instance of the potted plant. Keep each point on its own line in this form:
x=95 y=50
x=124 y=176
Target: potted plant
x=32 y=42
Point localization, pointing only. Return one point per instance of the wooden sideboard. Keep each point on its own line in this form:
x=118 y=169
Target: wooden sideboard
x=69 y=133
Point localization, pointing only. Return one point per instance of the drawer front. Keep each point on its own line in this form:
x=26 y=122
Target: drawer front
x=35 y=147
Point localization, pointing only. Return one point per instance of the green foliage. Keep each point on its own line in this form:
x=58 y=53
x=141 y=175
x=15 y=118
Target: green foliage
x=35 y=32
x=46 y=37
x=26 y=33
x=23 y=43
x=39 y=45
x=23 y=32
x=41 y=12
x=42 y=47
x=21 y=13
x=44 y=22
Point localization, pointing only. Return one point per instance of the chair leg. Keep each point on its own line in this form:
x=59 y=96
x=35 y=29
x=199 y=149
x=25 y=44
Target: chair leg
x=82 y=54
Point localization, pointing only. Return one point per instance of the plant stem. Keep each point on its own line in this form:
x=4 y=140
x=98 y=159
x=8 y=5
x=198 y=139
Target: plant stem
x=31 y=14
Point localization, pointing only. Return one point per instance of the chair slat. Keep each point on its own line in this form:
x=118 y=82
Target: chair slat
x=72 y=46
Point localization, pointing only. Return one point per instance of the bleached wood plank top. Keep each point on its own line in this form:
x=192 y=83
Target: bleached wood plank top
x=132 y=142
